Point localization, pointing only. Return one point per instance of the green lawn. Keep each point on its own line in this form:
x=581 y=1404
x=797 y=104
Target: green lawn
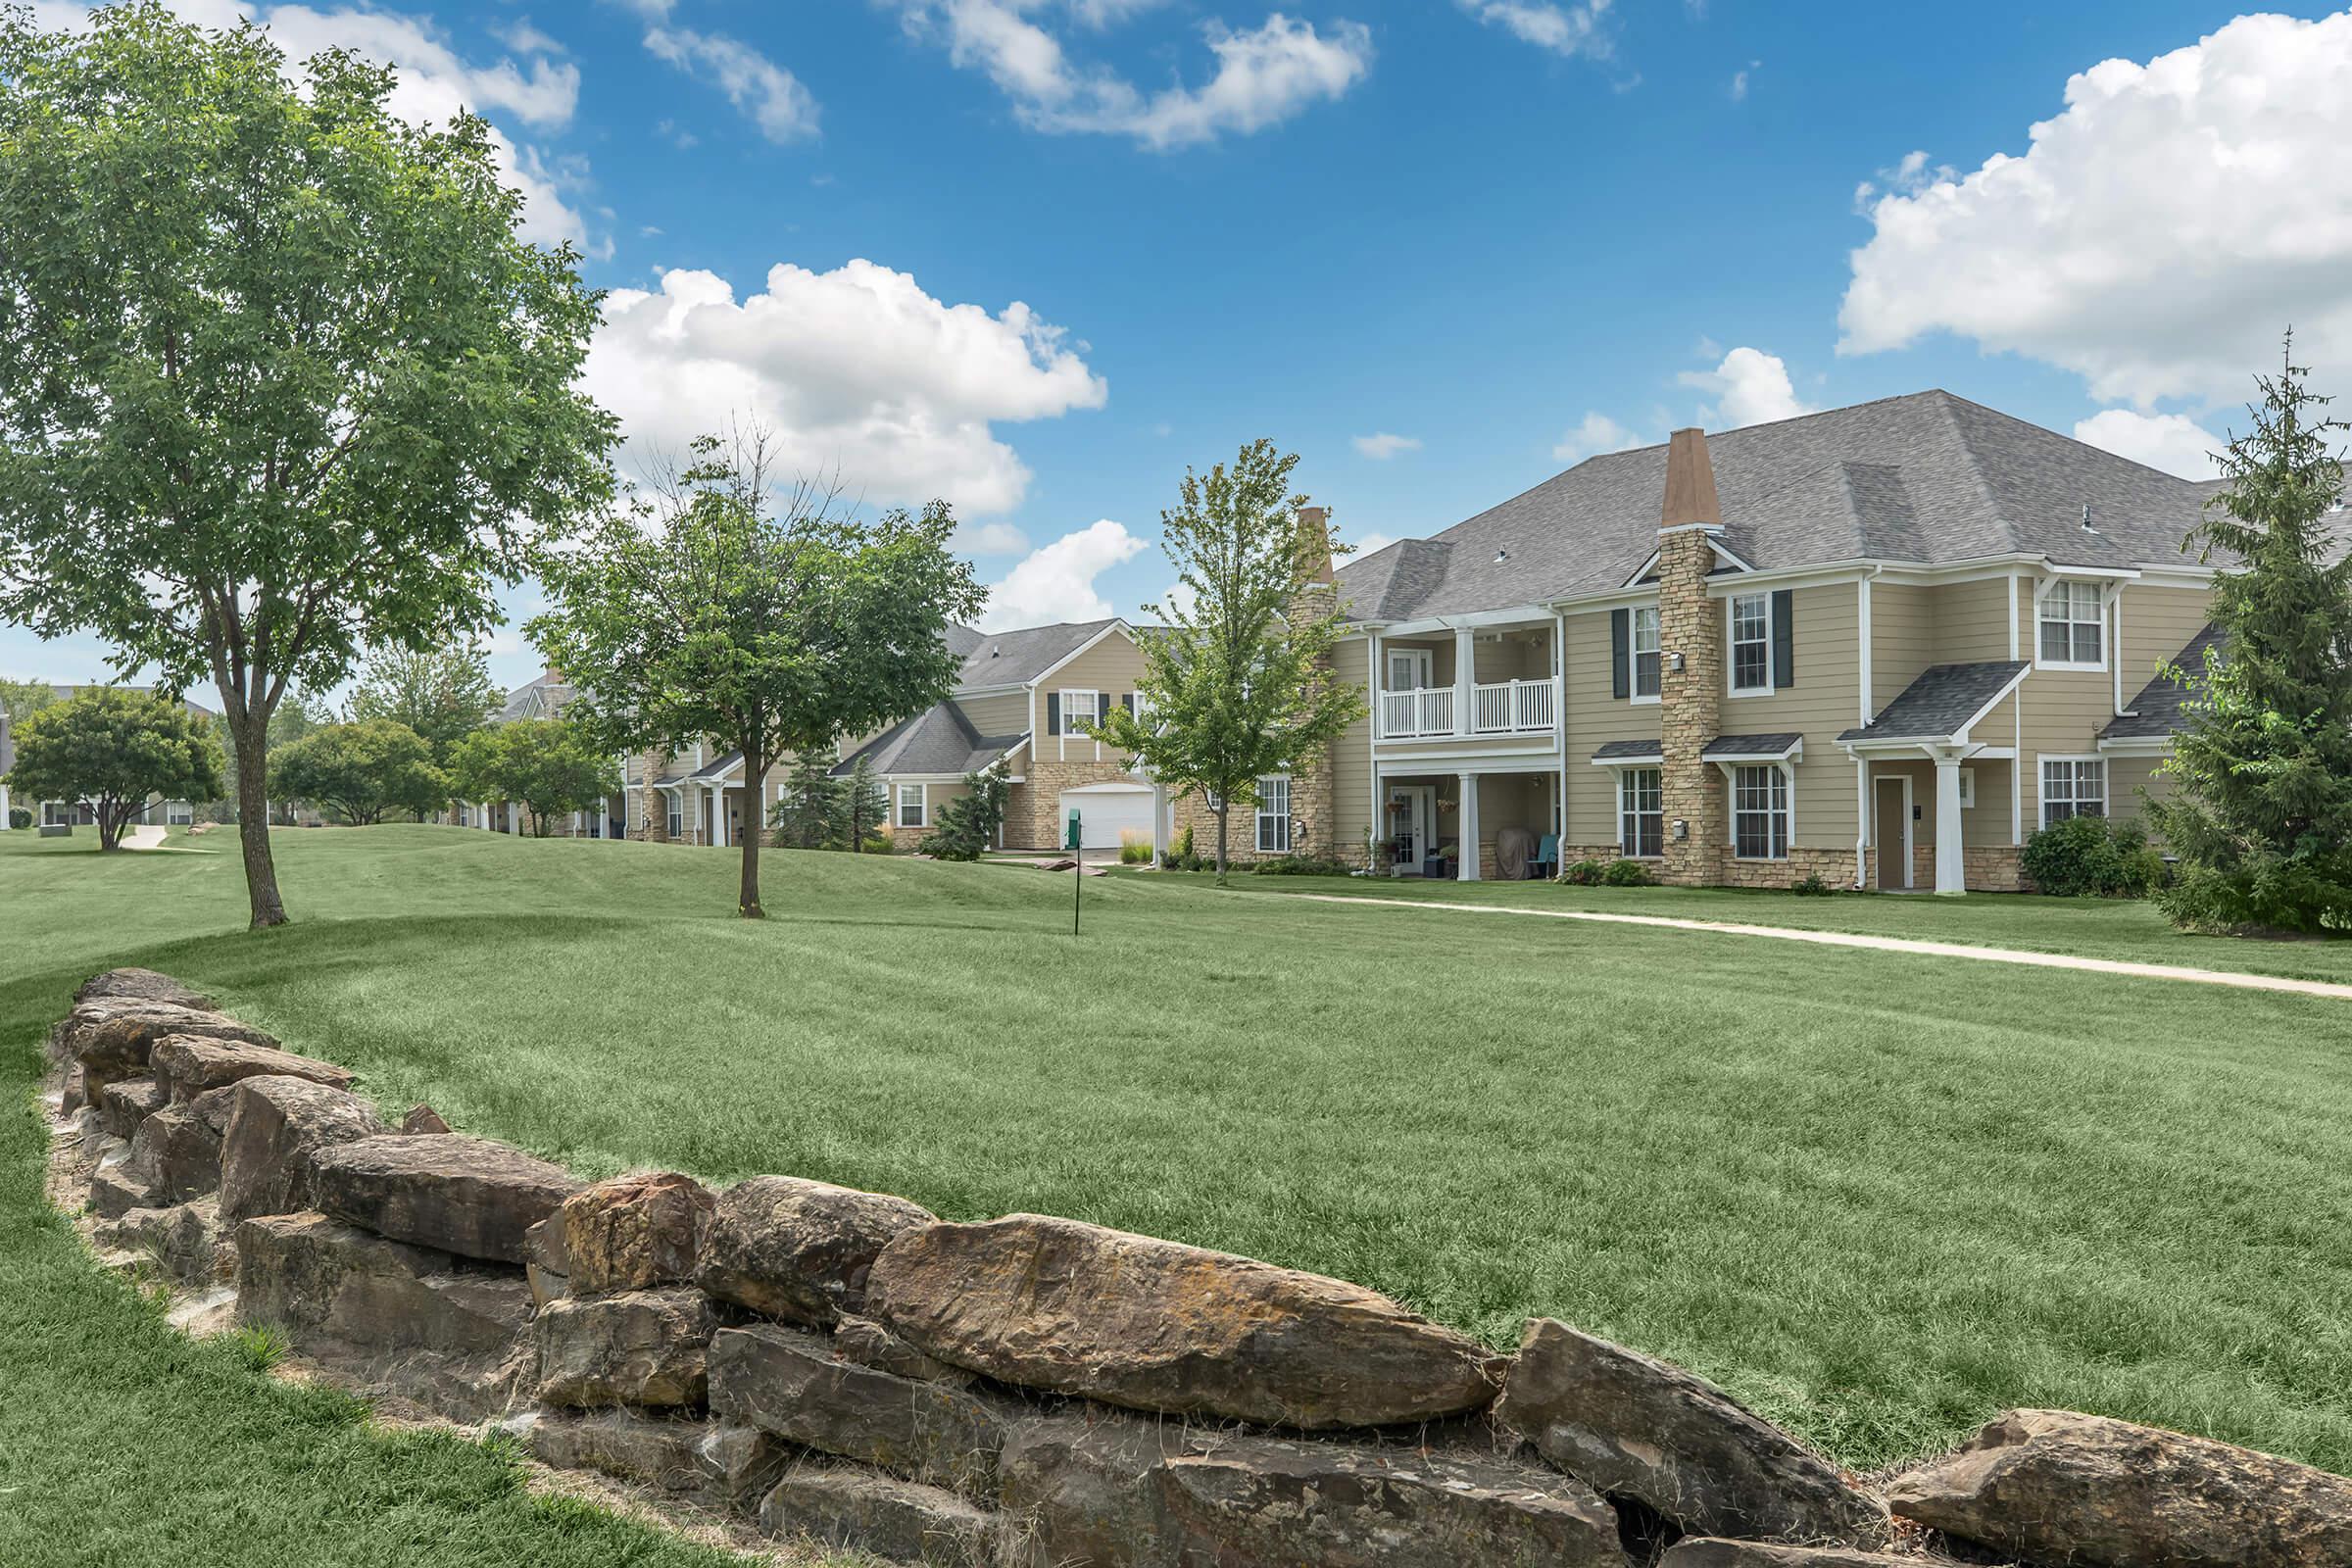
x=1880 y=1197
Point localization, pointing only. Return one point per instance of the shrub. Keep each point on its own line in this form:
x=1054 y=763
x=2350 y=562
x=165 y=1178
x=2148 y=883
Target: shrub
x=1626 y=874
x=2091 y=857
x=1583 y=874
x=1134 y=852
x=1301 y=865
x=18 y=817
x=1811 y=886
x=967 y=825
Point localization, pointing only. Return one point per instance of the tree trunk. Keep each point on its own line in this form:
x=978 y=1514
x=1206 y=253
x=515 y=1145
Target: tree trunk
x=746 y=901
x=1224 y=817
x=109 y=821
x=251 y=738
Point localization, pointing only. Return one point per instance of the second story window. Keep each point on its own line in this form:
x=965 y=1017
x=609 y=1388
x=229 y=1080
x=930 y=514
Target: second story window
x=1645 y=632
x=1752 y=642
x=1077 y=709
x=2073 y=619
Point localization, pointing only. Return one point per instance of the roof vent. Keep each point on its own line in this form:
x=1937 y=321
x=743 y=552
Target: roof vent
x=1502 y=555
x=2087 y=528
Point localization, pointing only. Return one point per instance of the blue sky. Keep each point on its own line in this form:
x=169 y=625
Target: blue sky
x=1038 y=255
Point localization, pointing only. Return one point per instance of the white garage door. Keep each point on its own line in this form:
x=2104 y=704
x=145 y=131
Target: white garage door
x=1106 y=817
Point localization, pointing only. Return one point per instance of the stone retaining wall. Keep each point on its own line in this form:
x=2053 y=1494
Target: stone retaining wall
x=1026 y=1392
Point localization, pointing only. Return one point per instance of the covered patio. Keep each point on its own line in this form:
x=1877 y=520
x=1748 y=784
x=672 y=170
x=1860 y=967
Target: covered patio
x=1428 y=819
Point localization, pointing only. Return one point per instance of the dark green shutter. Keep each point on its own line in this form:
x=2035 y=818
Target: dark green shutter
x=1052 y=712
x=1783 y=638
x=1621 y=651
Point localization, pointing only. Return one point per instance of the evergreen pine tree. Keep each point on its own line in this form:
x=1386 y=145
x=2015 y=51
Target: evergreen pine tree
x=2261 y=812
x=865 y=806
x=807 y=815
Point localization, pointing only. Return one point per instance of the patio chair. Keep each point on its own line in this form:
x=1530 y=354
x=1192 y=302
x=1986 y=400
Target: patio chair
x=1546 y=862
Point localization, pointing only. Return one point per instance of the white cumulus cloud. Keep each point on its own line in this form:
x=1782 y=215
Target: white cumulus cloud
x=1591 y=436
x=2173 y=442
x=1564 y=29
x=1264 y=75
x=1056 y=582
x=1750 y=386
x=858 y=372
x=1383 y=446
x=778 y=104
x=2158 y=233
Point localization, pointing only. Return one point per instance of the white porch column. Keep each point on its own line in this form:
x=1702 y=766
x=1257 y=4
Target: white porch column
x=1951 y=866
x=1465 y=678
x=4 y=822
x=719 y=815
x=1469 y=828
x=514 y=818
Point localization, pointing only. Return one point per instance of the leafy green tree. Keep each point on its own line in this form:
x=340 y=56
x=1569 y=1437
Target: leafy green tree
x=810 y=808
x=765 y=621
x=2261 y=815
x=113 y=750
x=1238 y=686
x=19 y=700
x=443 y=694
x=552 y=766
x=277 y=378
x=360 y=771
x=965 y=827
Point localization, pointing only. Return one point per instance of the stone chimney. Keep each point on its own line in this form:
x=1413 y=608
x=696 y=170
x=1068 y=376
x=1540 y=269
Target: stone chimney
x=1690 y=677
x=1315 y=522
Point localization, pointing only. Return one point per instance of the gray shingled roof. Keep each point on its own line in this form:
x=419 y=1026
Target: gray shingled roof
x=713 y=769
x=519 y=701
x=938 y=740
x=2156 y=710
x=1017 y=657
x=1628 y=751
x=1929 y=477
x=1944 y=698
x=1774 y=743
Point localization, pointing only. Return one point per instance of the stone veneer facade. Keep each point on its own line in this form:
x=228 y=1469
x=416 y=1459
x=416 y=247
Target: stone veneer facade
x=1690 y=626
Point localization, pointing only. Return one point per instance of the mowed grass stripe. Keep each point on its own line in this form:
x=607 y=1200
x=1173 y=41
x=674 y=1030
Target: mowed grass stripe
x=1879 y=1195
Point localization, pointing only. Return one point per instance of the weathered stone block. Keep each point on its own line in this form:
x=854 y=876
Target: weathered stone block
x=643 y=1347
x=315 y=1275
x=118 y=1186
x=740 y=1463
x=466 y=1195
x=799 y=1249
x=178 y=1153
x=275 y=1128
x=1263 y=1500
x=2067 y=1489
x=634 y=1231
x=650 y=1449
x=1695 y=1552
x=1082 y=1487
x=184 y=1240
x=423 y=1119
x=142 y=985
x=187 y=1065
x=1634 y=1425
x=544 y=1262
x=127 y=1102
x=788 y=1383
x=899 y=1521
x=869 y=1344
x=111 y=1038
x=1153 y=1325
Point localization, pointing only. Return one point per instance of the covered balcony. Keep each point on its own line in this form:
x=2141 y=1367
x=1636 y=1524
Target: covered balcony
x=1468 y=683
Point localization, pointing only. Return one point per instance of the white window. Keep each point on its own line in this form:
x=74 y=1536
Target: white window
x=1641 y=813
x=1752 y=642
x=1644 y=629
x=1408 y=668
x=913 y=801
x=2073 y=623
x=1274 y=816
x=1760 y=813
x=1968 y=789
x=2073 y=786
x=677 y=818
x=1079 y=708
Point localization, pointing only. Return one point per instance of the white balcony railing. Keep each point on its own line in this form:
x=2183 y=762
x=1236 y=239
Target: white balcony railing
x=1428 y=710
x=1512 y=706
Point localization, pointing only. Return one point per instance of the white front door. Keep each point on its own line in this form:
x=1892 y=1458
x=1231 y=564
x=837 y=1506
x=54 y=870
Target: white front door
x=1408 y=670
x=1412 y=808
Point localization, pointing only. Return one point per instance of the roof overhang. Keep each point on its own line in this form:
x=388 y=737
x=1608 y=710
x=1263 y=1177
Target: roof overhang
x=1793 y=751
x=1864 y=744
x=2136 y=746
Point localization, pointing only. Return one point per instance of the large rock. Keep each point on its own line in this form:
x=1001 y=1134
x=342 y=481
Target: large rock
x=183 y=1239
x=1631 y=1424
x=869 y=1344
x=2067 y=1489
x=142 y=985
x=788 y=1383
x=740 y=1463
x=112 y=1039
x=177 y=1152
x=634 y=1231
x=127 y=1102
x=117 y=1185
x=187 y=1065
x=544 y=1262
x=1153 y=1325
x=466 y=1195
x=799 y=1249
x=899 y=1521
x=1714 y=1552
x=652 y=1450
x=643 y=1347
x=317 y=1277
x=1255 y=1500
x=1083 y=1487
x=275 y=1128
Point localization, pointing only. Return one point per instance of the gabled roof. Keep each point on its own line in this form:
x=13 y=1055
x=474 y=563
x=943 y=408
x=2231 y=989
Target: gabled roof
x=940 y=740
x=715 y=769
x=2156 y=711
x=1629 y=751
x=1944 y=699
x=1017 y=657
x=531 y=693
x=1772 y=744
x=1929 y=478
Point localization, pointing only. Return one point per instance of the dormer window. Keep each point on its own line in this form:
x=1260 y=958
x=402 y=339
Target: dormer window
x=2072 y=626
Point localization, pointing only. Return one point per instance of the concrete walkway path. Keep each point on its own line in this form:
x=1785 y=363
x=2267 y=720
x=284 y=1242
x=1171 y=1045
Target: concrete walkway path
x=142 y=836
x=1849 y=939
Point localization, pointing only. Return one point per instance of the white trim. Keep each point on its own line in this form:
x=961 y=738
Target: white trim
x=2042 y=783
x=1658 y=760
x=1731 y=775
x=1633 y=656
x=897 y=804
x=1259 y=817
x=1731 y=642
x=2043 y=589
x=1618 y=788
x=1910 y=879
x=1865 y=708
x=2138 y=746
